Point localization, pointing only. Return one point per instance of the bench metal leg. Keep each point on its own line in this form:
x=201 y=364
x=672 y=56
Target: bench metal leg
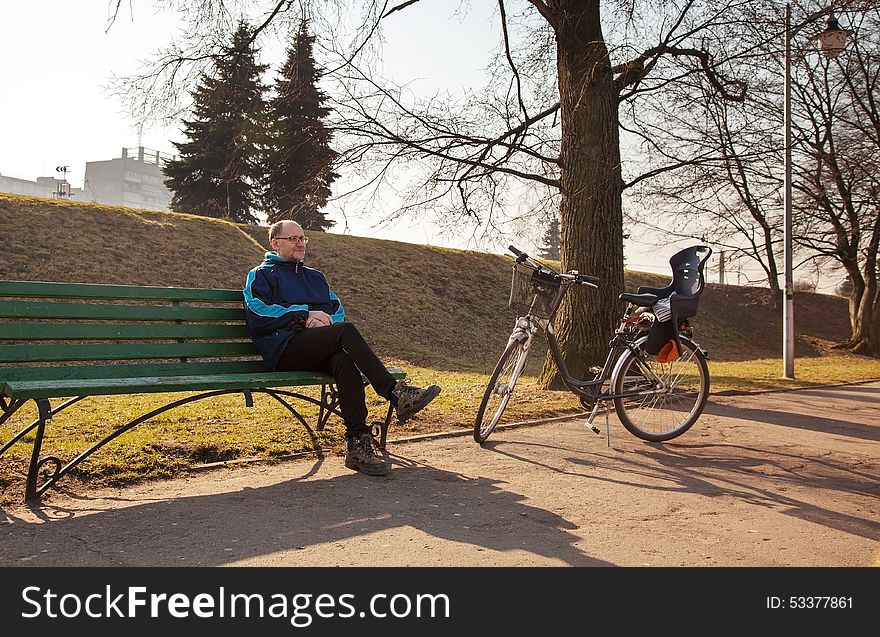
x=328 y=406
x=60 y=470
x=380 y=431
x=32 y=491
x=9 y=408
x=15 y=405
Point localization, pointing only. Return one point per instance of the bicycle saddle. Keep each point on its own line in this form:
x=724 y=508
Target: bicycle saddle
x=643 y=300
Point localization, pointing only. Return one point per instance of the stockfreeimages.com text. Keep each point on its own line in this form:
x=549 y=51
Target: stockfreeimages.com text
x=300 y=608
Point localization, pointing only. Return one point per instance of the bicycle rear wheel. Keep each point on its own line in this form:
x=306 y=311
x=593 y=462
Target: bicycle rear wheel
x=499 y=390
x=670 y=412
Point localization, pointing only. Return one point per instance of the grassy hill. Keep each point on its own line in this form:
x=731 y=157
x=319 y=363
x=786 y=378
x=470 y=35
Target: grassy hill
x=428 y=306
x=439 y=313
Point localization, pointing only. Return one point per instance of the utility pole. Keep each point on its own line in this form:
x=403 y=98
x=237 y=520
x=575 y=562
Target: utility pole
x=62 y=188
x=721 y=268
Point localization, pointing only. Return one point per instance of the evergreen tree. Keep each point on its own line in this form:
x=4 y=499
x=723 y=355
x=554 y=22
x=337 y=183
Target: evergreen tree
x=299 y=169
x=550 y=249
x=219 y=169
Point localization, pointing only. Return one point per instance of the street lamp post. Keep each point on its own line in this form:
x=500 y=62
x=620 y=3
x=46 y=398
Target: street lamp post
x=831 y=42
x=788 y=303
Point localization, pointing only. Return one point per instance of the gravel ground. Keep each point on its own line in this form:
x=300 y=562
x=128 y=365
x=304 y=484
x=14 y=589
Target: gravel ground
x=768 y=479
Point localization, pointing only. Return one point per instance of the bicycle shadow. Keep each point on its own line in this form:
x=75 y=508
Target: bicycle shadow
x=717 y=470
x=269 y=525
x=806 y=422
x=705 y=470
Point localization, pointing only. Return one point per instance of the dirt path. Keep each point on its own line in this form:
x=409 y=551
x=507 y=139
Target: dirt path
x=774 y=479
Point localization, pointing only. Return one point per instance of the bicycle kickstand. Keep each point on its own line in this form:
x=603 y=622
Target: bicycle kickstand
x=607 y=427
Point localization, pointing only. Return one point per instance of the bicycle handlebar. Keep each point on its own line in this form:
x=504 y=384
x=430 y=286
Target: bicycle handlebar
x=586 y=278
x=573 y=276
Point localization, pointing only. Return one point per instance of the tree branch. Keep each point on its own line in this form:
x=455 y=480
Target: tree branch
x=546 y=13
x=399 y=7
x=636 y=70
x=510 y=59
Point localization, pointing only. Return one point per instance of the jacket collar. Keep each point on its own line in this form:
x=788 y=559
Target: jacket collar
x=272 y=258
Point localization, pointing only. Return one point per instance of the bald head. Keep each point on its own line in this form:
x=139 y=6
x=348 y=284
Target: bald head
x=283 y=228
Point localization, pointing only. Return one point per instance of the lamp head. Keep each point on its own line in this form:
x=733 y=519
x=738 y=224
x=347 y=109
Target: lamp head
x=833 y=39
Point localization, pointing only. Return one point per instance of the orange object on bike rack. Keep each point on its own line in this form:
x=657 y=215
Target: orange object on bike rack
x=668 y=352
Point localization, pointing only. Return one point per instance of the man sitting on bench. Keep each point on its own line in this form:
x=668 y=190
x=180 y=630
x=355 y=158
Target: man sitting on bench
x=297 y=324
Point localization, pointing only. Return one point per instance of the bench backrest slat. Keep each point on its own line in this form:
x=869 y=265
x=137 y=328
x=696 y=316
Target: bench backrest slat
x=36 y=289
x=121 y=351
x=41 y=310
x=62 y=331
x=128 y=331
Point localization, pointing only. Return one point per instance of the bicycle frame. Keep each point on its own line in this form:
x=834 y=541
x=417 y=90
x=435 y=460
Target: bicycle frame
x=588 y=390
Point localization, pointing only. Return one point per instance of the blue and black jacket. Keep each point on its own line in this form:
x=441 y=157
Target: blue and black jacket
x=278 y=295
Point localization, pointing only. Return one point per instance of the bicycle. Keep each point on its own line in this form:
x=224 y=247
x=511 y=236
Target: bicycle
x=656 y=397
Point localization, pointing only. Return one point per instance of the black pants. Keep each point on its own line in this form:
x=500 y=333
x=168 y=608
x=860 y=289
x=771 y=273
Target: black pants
x=341 y=351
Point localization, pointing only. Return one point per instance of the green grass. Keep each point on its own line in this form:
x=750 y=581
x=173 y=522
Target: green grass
x=223 y=428
x=766 y=373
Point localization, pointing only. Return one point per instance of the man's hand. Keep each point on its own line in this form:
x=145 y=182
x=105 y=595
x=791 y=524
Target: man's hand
x=318 y=319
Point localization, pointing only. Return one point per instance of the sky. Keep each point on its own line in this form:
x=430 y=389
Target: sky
x=56 y=60
x=58 y=56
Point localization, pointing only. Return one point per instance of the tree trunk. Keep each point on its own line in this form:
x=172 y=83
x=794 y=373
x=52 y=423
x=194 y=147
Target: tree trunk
x=590 y=215
x=865 y=319
x=772 y=269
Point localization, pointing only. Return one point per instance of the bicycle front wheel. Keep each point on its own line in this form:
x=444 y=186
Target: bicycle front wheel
x=499 y=390
x=670 y=411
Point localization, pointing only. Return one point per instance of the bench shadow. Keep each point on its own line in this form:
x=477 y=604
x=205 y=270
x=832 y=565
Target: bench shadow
x=225 y=528
x=864 y=393
x=861 y=388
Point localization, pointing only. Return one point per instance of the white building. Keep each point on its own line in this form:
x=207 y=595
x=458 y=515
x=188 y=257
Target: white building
x=49 y=187
x=134 y=180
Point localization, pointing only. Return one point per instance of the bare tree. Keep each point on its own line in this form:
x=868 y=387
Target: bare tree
x=548 y=124
x=840 y=174
x=731 y=188
x=728 y=189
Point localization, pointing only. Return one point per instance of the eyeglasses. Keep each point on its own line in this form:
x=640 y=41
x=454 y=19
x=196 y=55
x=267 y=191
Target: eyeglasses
x=295 y=240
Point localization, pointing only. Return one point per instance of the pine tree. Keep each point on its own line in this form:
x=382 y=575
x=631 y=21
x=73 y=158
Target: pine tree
x=219 y=169
x=299 y=168
x=550 y=250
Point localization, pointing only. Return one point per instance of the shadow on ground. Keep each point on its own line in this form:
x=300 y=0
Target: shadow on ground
x=213 y=530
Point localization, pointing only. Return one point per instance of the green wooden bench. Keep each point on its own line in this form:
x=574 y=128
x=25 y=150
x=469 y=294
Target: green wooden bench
x=71 y=341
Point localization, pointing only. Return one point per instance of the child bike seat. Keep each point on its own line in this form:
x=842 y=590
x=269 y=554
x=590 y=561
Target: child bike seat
x=687 y=283
x=683 y=293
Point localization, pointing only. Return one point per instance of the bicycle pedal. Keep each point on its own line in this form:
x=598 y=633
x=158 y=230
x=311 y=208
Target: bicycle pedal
x=594 y=429
x=595 y=370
